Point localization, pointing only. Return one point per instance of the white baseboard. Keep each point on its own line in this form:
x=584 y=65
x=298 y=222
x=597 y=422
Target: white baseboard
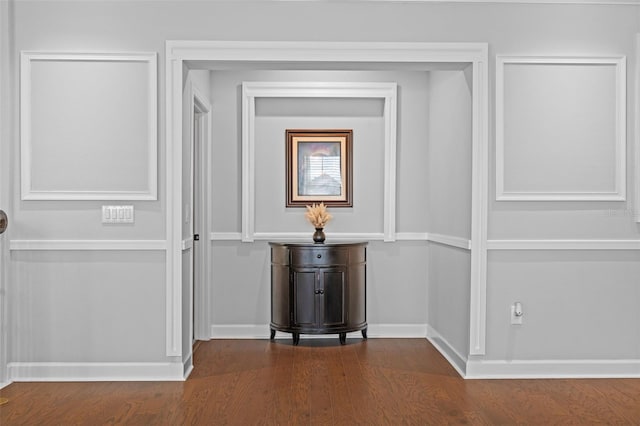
x=95 y=371
x=4 y=384
x=187 y=366
x=261 y=331
x=240 y=331
x=553 y=369
x=397 y=331
x=455 y=358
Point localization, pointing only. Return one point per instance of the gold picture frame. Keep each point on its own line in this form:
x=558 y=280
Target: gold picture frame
x=319 y=167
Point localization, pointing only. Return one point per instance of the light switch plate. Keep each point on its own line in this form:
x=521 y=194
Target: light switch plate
x=117 y=214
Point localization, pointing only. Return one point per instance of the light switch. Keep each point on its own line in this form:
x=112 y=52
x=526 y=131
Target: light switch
x=117 y=214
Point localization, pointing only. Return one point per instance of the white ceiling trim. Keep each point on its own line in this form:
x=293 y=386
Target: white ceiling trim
x=550 y=2
x=599 y=2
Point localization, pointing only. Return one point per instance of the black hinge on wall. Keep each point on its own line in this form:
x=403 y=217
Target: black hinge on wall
x=196 y=237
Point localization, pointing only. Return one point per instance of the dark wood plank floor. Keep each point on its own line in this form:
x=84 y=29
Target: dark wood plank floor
x=319 y=382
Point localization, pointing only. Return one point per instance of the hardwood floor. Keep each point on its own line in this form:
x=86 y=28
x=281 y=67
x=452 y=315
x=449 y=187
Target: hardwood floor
x=320 y=382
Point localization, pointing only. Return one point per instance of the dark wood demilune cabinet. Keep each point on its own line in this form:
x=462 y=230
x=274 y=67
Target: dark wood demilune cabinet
x=318 y=289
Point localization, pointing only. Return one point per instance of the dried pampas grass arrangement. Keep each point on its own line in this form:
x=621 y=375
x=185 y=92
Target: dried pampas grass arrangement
x=317 y=215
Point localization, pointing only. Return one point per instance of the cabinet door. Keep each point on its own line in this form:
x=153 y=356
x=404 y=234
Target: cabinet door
x=357 y=295
x=304 y=297
x=280 y=299
x=332 y=300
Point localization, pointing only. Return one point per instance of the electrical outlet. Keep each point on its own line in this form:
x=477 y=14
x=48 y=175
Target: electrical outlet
x=516 y=313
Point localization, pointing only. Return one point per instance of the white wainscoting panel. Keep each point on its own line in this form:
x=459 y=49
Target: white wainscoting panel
x=88 y=126
x=563 y=244
x=561 y=128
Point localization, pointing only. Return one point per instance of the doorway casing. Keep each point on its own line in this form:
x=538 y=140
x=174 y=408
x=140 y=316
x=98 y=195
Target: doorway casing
x=250 y=53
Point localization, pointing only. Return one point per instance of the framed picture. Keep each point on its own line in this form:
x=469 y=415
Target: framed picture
x=319 y=167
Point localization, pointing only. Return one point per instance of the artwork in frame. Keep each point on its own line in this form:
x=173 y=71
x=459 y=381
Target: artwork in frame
x=319 y=167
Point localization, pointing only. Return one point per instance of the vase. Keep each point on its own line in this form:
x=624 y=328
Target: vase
x=318 y=236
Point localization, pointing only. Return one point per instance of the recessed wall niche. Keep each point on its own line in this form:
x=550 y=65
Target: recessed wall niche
x=267 y=112
x=88 y=126
x=560 y=128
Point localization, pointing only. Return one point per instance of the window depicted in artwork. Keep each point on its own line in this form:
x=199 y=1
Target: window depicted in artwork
x=319 y=167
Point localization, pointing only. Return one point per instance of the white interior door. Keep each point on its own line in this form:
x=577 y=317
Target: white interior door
x=194 y=227
x=200 y=168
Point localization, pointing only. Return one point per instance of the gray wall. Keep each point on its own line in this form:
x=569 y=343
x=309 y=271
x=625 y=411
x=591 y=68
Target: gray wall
x=448 y=162
x=397 y=277
x=48 y=288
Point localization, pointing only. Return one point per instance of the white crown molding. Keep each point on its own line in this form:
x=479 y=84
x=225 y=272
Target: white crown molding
x=253 y=90
x=618 y=193
x=549 y=2
x=27 y=58
x=96 y=371
x=123 y=245
x=563 y=244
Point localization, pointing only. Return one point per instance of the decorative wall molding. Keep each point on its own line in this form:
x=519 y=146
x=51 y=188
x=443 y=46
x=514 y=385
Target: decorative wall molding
x=187 y=244
x=339 y=90
x=28 y=59
x=618 y=192
x=636 y=115
x=351 y=53
x=96 y=371
x=225 y=236
x=306 y=236
x=412 y=236
x=261 y=331
x=124 y=245
x=553 y=369
x=563 y=244
x=449 y=240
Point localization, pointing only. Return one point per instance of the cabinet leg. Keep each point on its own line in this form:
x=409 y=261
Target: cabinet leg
x=273 y=334
x=296 y=339
x=364 y=333
x=343 y=338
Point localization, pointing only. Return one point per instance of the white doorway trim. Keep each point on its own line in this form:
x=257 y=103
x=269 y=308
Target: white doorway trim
x=7 y=118
x=476 y=54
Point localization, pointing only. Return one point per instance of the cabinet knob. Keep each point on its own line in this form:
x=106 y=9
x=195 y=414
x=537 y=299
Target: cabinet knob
x=319 y=256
